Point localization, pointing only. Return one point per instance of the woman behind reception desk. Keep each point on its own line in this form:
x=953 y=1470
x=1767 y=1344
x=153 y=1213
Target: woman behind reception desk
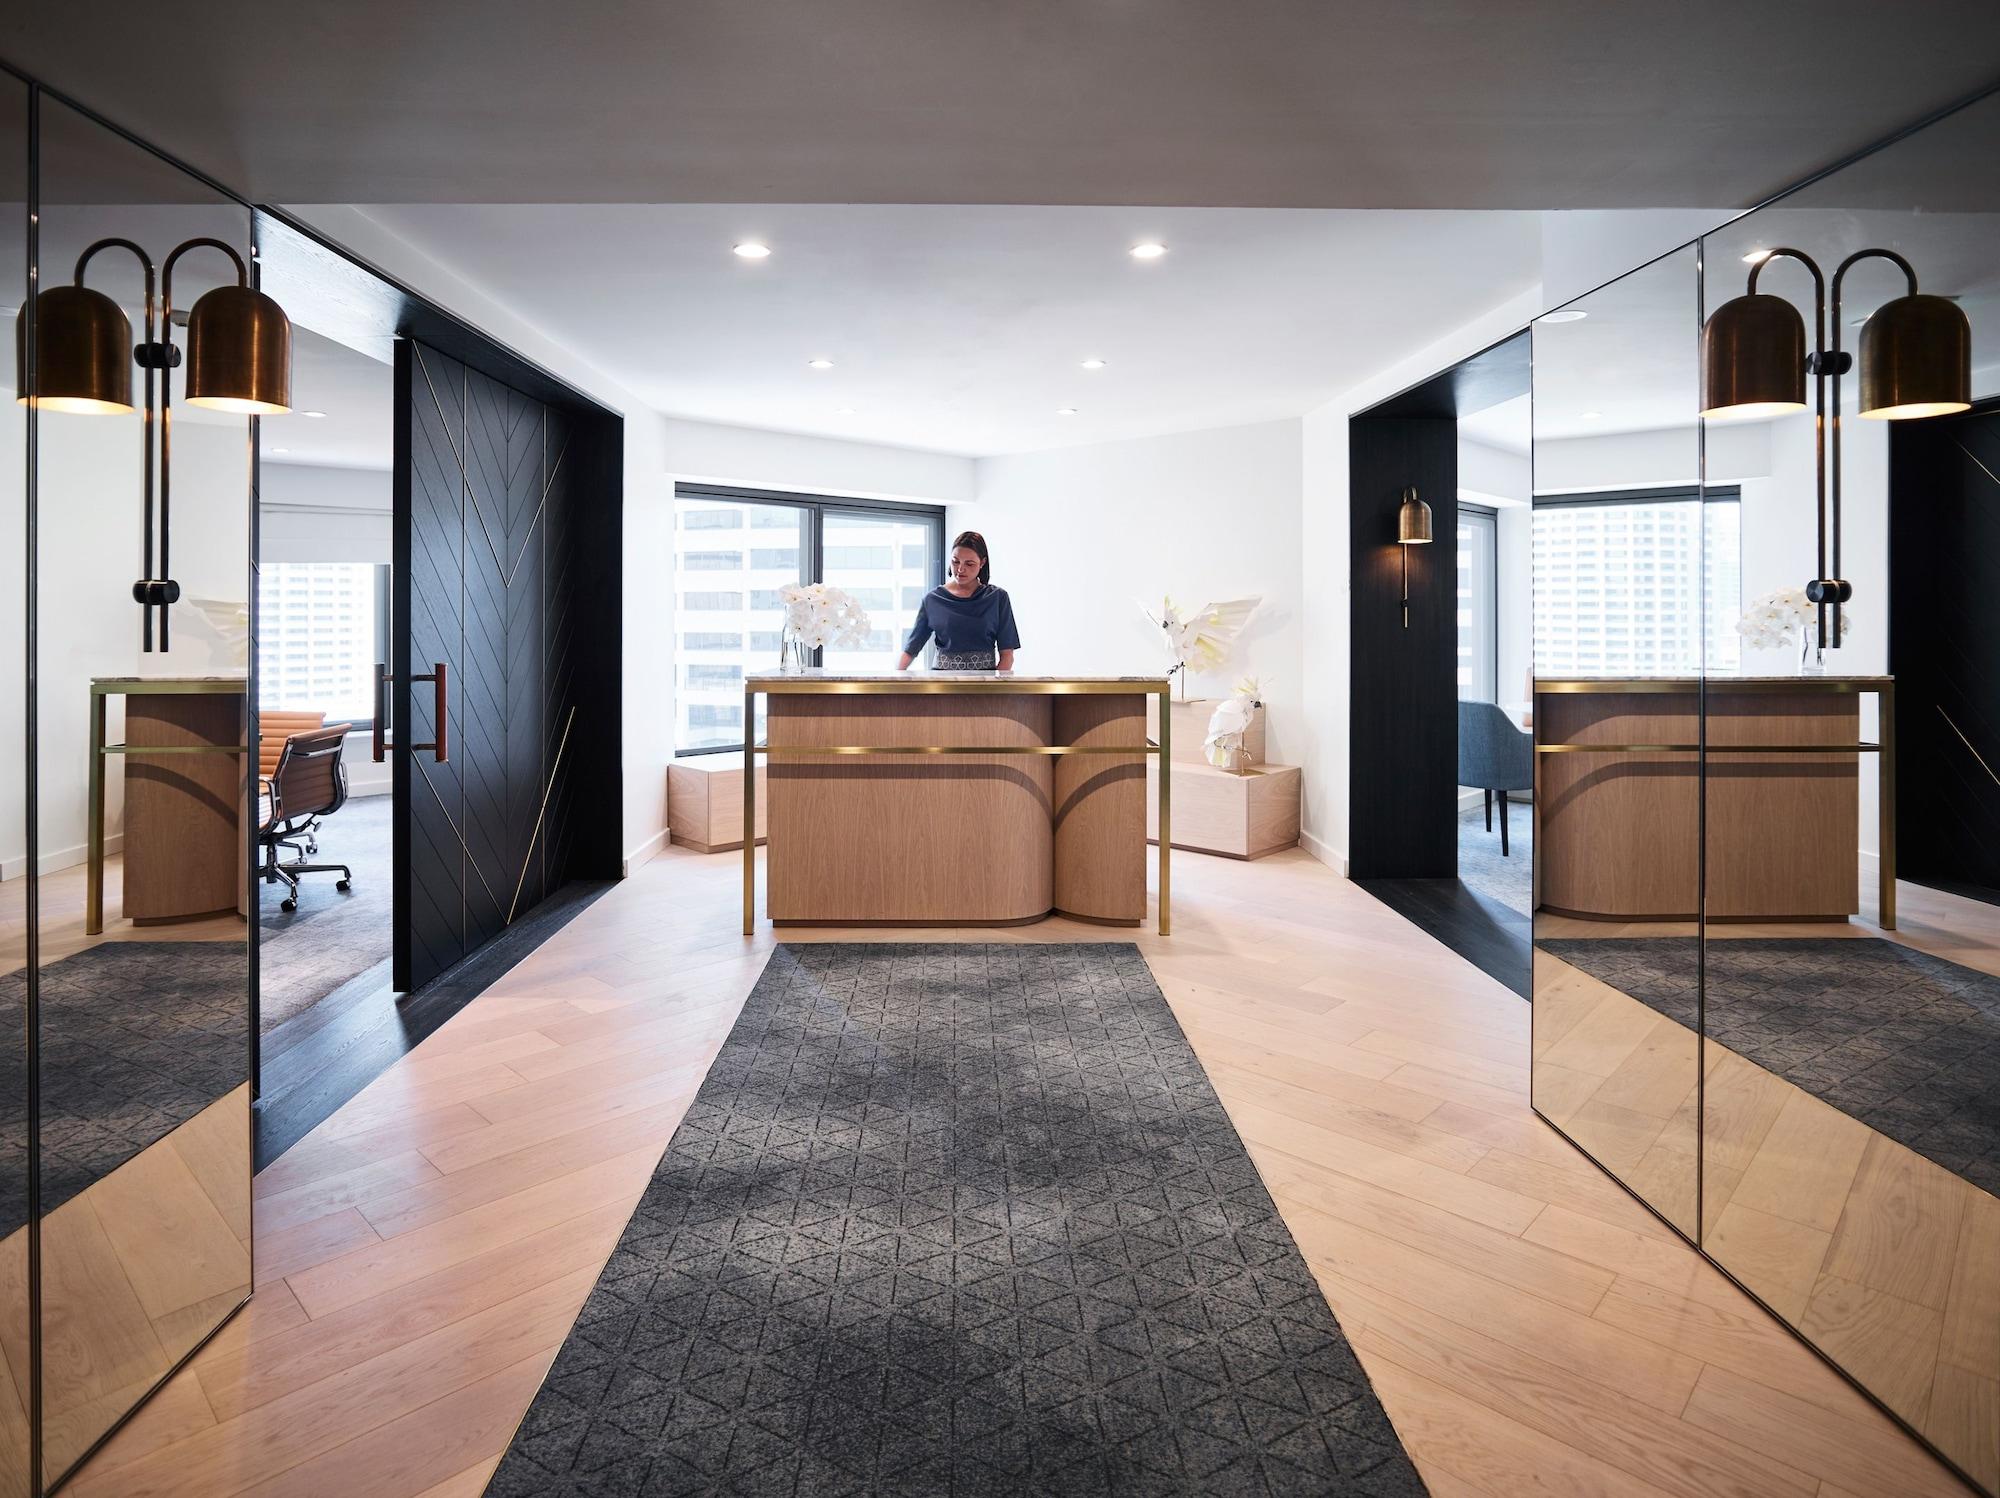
x=972 y=621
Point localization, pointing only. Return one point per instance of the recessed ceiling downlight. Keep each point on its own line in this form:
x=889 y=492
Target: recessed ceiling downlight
x=1066 y=411
x=750 y=249
x=1147 y=249
x=315 y=415
x=1756 y=257
x=819 y=364
x=1093 y=364
x=843 y=410
x=1564 y=314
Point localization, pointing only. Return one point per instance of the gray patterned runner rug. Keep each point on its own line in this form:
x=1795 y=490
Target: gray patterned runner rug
x=955 y=1219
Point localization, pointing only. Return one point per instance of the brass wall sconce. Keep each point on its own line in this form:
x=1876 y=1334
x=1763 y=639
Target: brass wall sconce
x=1413 y=528
x=1916 y=361
x=239 y=359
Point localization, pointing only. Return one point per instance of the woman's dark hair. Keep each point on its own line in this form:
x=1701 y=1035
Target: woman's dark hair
x=974 y=542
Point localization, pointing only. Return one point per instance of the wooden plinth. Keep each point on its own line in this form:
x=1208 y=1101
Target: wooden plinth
x=705 y=803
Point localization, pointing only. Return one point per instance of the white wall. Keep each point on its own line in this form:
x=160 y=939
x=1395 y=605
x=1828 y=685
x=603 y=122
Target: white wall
x=1324 y=543
x=752 y=458
x=1491 y=475
x=1082 y=536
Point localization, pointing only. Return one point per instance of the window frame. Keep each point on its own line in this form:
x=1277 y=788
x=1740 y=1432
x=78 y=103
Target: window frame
x=812 y=566
x=384 y=587
x=1488 y=516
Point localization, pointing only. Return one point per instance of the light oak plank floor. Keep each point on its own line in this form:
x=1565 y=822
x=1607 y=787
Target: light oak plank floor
x=421 y=1254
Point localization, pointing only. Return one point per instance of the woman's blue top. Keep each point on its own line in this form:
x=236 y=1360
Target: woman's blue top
x=979 y=625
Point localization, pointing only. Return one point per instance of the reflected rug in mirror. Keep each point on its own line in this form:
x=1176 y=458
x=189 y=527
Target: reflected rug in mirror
x=136 y=1038
x=955 y=1219
x=1905 y=1042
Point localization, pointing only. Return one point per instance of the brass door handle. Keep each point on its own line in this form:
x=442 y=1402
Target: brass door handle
x=439 y=679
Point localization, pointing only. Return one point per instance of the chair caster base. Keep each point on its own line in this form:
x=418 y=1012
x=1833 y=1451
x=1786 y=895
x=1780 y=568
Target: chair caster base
x=288 y=904
x=342 y=884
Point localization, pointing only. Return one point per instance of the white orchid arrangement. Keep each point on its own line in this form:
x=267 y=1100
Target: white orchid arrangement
x=1781 y=619
x=819 y=614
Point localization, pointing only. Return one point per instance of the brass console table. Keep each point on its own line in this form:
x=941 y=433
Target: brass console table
x=179 y=862
x=1017 y=836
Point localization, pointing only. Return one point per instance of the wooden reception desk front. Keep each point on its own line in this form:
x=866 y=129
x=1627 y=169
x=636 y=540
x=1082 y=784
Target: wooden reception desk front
x=953 y=799
x=1626 y=781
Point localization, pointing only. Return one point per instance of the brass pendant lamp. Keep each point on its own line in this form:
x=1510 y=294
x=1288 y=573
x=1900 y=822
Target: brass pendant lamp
x=239 y=359
x=1916 y=361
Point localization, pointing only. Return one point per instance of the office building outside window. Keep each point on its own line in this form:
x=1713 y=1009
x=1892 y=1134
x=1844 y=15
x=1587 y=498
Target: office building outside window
x=321 y=627
x=1637 y=585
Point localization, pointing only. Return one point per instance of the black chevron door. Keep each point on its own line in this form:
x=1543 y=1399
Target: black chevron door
x=481 y=558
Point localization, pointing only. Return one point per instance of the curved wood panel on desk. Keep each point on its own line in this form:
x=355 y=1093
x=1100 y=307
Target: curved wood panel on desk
x=918 y=839
x=1100 y=803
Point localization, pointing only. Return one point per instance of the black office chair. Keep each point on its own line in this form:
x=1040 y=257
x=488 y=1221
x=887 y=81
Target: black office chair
x=309 y=782
x=1495 y=756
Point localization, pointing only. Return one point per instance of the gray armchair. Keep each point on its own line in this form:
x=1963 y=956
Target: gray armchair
x=1495 y=756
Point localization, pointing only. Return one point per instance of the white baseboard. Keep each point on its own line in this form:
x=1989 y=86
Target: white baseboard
x=636 y=858
x=1323 y=853
x=61 y=858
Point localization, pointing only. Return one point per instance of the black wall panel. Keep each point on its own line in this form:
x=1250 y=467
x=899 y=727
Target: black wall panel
x=1403 y=702
x=1944 y=572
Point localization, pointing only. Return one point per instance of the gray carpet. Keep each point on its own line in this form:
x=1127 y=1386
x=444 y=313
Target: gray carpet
x=1905 y=1042
x=136 y=1038
x=334 y=935
x=1509 y=880
x=953 y=1219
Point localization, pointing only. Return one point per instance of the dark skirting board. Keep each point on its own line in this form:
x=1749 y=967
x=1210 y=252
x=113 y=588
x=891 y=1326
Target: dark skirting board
x=960 y=1219
x=1907 y=1043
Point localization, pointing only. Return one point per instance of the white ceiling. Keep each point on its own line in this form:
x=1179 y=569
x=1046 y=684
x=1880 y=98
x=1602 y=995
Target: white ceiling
x=962 y=329
x=1274 y=103
x=357 y=395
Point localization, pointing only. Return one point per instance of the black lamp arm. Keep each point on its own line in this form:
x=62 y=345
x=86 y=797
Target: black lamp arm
x=147 y=357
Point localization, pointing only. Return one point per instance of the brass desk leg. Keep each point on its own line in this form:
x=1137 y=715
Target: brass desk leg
x=749 y=811
x=93 y=898
x=1885 y=706
x=1166 y=805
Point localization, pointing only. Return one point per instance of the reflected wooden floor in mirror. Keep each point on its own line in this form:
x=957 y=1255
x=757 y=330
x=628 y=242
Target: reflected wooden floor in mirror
x=1889 y=1262
x=421 y=1254
x=120 y=1312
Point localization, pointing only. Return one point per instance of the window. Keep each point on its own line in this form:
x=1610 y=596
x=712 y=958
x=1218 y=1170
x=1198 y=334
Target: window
x=879 y=552
x=321 y=627
x=1478 y=602
x=1646 y=583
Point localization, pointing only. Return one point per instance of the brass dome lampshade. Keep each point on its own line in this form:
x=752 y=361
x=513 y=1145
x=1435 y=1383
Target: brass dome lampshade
x=239 y=353
x=83 y=353
x=1916 y=359
x=1753 y=359
x=1413 y=521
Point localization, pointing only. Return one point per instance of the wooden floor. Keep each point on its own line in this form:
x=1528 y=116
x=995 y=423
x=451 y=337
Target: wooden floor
x=1529 y=1327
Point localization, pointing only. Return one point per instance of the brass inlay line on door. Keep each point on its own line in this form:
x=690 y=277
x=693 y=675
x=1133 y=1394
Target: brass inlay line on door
x=1968 y=742
x=561 y=744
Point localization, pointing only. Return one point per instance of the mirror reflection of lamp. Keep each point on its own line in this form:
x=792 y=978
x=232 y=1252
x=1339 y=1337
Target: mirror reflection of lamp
x=1916 y=361
x=76 y=355
x=1413 y=528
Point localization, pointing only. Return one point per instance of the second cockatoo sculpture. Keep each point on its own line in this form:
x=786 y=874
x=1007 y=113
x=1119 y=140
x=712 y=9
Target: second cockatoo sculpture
x=1201 y=639
x=1229 y=725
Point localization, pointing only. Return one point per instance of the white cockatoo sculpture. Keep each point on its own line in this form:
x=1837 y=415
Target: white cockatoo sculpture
x=1229 y=723
x=1201 y=639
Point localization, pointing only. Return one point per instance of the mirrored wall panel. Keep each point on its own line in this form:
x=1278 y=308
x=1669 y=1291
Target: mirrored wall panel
x=1624 y=563
x=145 y=332
x=16 y=1478
x=1852 y=1047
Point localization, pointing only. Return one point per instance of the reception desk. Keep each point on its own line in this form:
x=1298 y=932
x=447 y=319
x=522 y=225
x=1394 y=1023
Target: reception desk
x=1626 y=781
x=953 y=799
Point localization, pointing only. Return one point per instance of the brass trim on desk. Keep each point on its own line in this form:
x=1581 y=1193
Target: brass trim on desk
x=1708 y=749
x=1611 y=686
x=967 y=686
